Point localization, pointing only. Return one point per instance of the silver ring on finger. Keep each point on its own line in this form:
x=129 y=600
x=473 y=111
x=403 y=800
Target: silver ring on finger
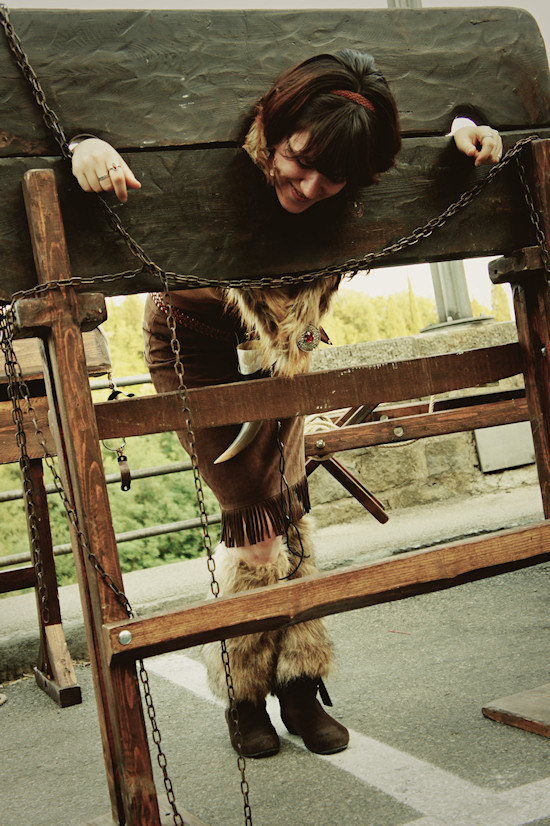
x=103 y=177
x=114 y=166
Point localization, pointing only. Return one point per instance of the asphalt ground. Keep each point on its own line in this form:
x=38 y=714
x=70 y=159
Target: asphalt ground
x=411 y=681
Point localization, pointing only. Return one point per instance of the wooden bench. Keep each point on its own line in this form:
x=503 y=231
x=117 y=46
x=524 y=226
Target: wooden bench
x=178 y=83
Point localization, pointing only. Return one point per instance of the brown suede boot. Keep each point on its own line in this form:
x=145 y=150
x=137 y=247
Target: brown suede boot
x=258 y=738
x=302 y=714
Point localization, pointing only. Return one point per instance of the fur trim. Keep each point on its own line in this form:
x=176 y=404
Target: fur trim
x=252 y=658
x=253 y=522
x=255 y=145
x=279 y=316
x=305 y=649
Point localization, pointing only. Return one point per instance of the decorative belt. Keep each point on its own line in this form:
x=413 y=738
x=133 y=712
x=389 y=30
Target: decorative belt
x=193 y=323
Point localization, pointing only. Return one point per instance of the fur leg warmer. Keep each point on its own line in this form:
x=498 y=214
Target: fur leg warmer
x=305 y=649
x=252 y=658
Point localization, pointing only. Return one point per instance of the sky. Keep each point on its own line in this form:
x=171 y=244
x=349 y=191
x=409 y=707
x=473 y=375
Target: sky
x=382 y=281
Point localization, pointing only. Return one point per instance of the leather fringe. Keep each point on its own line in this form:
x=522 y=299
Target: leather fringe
x=253 y=523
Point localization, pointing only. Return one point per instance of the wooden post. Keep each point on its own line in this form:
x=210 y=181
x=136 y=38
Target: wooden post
x=55 y=673
x=530 y=709
x=128 y=763
x=532 y=308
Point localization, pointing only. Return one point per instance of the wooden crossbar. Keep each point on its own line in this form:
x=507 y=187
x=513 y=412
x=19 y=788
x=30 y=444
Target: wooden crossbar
x=405 y=575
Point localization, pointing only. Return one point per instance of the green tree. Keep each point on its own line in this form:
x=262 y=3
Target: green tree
x=500 y=308
x=415 y=322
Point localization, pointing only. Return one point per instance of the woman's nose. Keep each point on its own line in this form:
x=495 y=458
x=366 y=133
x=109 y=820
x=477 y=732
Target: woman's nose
x=312 y=184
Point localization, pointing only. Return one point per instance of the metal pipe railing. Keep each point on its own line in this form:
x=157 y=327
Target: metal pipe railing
x=126 y=536
x=113 y=478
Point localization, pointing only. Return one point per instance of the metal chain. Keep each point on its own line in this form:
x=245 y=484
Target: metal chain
x=207 y=539
x=286 y=504
x=535 y=218
x=18 y=390
x=350 y=266
x=54 y=125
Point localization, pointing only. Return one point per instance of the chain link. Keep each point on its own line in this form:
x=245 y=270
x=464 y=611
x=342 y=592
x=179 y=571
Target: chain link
x=17 y=391
x=535 y=219
x=207 y=539
x=149 y=265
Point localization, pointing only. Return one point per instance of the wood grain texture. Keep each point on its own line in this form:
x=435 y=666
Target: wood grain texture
x=309 y=393
x=187 y=78
x=275 y=606
x=208 y=214
x=401 y=429
x=122 y=725
x=162 y=78
x=528 y=710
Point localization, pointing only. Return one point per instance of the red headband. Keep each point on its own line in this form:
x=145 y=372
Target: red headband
x=355 y=97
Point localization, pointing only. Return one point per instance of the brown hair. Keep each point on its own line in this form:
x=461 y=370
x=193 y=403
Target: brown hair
x=346 y=141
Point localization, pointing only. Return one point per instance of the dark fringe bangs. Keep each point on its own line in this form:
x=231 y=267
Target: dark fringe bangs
x=338 y=147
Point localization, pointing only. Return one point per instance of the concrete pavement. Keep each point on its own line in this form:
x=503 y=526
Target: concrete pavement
x=411 y=681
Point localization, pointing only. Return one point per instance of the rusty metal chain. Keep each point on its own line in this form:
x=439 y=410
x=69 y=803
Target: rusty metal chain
x=535 y=218
x=53 y=124
x=17 y=391
x=207 y=539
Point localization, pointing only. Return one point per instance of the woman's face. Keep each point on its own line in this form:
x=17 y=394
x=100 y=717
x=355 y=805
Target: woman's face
x=298 y=184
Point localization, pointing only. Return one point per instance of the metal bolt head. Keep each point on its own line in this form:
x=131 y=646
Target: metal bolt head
x=320 y=444
x=125 y=638
x=398 y=431
x=543 y=352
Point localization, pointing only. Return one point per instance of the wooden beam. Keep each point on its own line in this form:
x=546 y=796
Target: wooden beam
x=309 y=393
x=409 y=574
x=234 y=229
x=17 y=579
x=122 y=725
x=190 y=76
x=528 y=710
x=401 y=429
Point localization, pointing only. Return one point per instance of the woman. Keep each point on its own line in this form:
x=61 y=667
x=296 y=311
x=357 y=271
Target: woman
x=326 y=128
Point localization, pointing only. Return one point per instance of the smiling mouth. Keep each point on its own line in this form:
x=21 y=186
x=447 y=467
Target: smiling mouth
x=299 y=196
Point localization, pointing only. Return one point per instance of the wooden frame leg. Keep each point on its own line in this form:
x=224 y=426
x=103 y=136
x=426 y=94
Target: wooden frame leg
x=127 y=759
x=530 y=710
x=54 y=673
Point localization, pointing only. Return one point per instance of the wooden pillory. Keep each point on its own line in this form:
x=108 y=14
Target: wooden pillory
x=168 y=88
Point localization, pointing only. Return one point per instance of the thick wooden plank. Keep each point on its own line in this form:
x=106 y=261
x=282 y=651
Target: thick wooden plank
x=309 y=393
x=400 y=429
x=29 y=357
x=69 y=695
x=328 y=391
x=232 y=228
x=294 y=601
x=189 y=76
x=529 y=710
x=58 y=656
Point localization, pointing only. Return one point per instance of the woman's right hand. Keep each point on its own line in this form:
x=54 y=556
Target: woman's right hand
x=98 y=167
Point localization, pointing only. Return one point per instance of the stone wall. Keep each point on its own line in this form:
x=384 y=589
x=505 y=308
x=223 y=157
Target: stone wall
x=424 y=470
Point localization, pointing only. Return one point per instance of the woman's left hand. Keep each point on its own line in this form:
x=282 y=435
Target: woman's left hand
x=482 y=143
